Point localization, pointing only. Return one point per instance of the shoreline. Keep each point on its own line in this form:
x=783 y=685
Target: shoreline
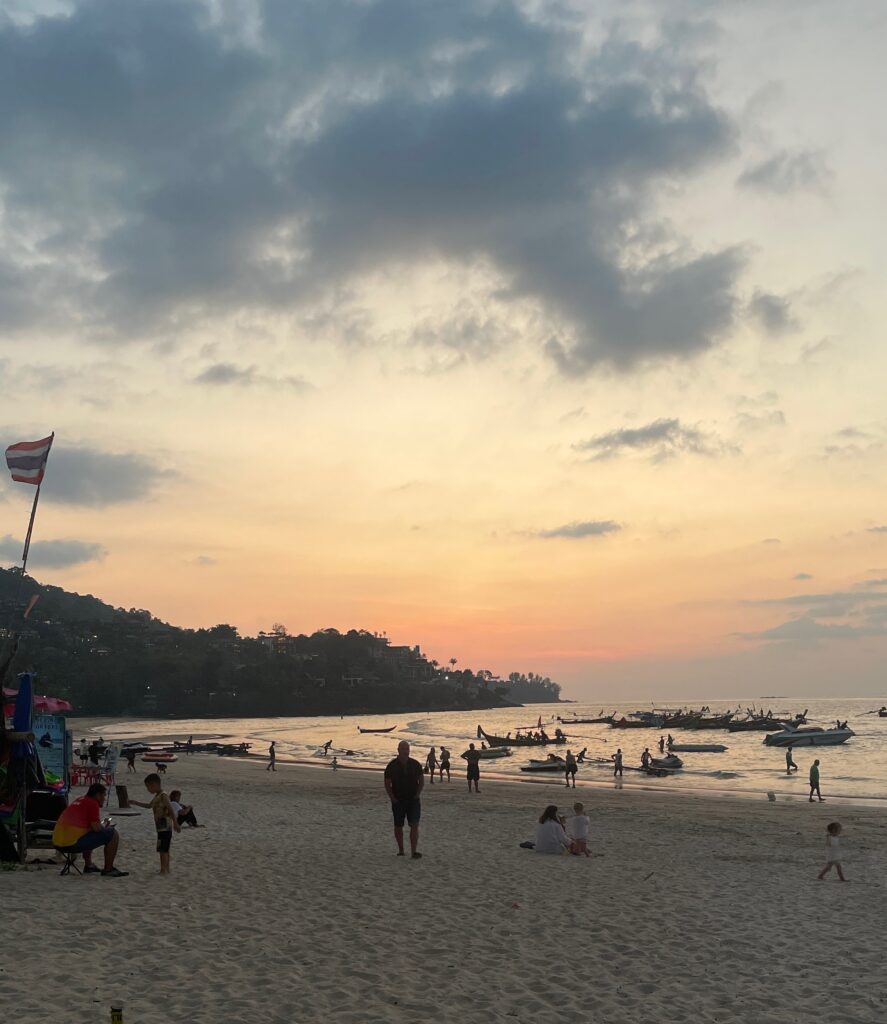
x=674 y=786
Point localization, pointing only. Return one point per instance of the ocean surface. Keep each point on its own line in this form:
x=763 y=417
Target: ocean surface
x=854 y=770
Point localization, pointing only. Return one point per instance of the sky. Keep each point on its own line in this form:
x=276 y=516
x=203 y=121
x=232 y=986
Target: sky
x=543 y=335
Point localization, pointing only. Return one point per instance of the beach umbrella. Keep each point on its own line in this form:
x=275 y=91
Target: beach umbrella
x=40 y=703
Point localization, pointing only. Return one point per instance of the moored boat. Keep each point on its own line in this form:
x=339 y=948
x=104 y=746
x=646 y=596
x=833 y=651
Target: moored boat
x=487 y=753
x=630 y=723
x=758 y=723
x=543 y=740
x=390 y=728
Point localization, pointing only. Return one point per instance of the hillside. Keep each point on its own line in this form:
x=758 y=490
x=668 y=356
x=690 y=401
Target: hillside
x=116 y=661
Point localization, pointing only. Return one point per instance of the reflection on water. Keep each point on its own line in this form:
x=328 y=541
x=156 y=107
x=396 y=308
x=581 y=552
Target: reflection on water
x=858 y=768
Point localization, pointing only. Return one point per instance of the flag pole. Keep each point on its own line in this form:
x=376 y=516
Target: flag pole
x=34 y=512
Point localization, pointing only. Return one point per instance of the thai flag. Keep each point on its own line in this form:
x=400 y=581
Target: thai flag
x=27 y=460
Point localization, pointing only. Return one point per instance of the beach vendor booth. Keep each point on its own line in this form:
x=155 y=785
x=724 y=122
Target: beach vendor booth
x=34 y=765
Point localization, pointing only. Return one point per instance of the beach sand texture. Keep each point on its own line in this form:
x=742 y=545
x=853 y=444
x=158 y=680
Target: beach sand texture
x=292 y=906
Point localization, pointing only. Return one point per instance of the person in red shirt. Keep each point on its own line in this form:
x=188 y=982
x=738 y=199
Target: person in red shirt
x=80 y=829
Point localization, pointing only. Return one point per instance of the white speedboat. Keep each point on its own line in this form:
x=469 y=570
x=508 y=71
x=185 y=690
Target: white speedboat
x=486 y=753
x=809 y=737
x=698 y=748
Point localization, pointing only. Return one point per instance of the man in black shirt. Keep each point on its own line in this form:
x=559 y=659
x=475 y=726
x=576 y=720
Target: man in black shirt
x=403 y=784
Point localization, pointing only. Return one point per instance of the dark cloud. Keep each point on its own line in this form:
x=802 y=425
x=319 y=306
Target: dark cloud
x=579 y=530
x=772 y=312
x=661 y=440
x=802 y=576
x=92 y=477
x=876 y=529
x=51 y=554
x=174 y=166
x=220 y=374
x=786 y=172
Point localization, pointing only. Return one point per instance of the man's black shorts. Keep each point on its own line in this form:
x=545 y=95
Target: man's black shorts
x=164 y=839
x=474 y=772
x=406 y=810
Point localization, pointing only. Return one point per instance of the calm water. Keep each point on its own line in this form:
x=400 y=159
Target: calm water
x=857 y=769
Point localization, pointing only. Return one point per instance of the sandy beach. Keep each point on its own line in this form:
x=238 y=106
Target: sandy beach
x=290 y=905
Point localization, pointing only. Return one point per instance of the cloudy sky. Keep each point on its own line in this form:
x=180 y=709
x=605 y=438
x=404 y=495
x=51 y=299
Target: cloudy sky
x=545 y=339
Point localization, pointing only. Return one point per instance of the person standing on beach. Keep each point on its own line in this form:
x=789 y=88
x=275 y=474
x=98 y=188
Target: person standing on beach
x=431 y=764
x=646 y=757
x=570 y=769
x=814 y=781
x=790 y=765
x=617 y=763
x=272 y=758
x=326 y=747
x=165 y=822
x=832 y=851
x=404 y=780
x=444 y=763
x=472 y=756
x=661 y=744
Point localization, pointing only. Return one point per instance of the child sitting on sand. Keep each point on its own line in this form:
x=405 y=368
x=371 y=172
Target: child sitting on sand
x=577 y=830
x=164 y=818
x=832 y=851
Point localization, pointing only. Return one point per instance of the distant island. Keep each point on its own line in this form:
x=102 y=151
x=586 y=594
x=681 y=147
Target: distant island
x=114 y=661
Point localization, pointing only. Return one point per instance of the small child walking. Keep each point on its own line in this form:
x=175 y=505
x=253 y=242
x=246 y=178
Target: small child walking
x=577 y=830
x=833 y=851
x=164 y=818
x=335 y=763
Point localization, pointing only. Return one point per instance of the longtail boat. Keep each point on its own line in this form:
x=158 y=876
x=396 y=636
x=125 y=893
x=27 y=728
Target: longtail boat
x=522 y=741
x=390 y=728
x=630 y=723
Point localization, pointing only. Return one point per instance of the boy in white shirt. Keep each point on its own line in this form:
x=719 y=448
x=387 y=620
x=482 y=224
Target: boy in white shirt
x=577 y=830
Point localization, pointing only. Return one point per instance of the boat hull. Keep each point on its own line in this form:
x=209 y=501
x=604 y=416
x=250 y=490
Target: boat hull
x=519 y=741
x=828 y=738
x=698 y=748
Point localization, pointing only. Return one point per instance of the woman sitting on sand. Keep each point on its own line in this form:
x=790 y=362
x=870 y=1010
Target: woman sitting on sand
x=550 y=834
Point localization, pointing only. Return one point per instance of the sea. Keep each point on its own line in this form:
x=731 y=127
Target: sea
x=854 y=771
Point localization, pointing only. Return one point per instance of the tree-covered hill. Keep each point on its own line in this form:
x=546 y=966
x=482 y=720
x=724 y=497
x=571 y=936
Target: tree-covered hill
x=117 y=661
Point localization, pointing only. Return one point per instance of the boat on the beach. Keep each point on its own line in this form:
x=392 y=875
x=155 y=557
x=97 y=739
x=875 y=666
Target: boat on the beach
x=390 y=728
x=544 y=740
x=811 y=737
x=698 y=748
